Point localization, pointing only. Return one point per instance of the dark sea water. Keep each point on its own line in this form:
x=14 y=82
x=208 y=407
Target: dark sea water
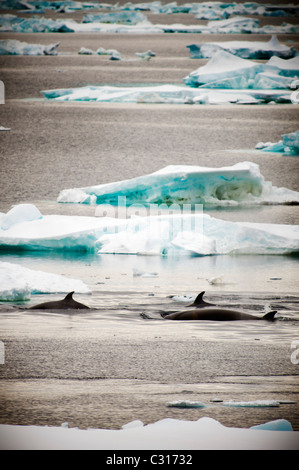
x=111 y=365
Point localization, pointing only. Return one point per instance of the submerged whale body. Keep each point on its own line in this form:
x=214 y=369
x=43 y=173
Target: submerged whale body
x=217 y=314
x=68 y=303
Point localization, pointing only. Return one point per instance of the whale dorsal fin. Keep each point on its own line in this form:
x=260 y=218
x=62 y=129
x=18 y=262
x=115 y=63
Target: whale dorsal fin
x=69 y=296
x=270 y=315
x=199 y=299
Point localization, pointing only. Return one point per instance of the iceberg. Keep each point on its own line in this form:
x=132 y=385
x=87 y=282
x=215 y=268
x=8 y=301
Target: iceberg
x=225 y=70
x=224 y=65
x=203 y=434
x=174 y=94
x=236 y=25
x=288 y=145
x=19 y=283
x=241 y=183
x=261 y=50
x=15 y=47
x=122 y=17
x=179 y=233
x=18 y=214
x=58 y=5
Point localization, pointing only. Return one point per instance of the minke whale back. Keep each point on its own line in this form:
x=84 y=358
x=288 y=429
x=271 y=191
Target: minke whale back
x=217 y=314
x=68 y=303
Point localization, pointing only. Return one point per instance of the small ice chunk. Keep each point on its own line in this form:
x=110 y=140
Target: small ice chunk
x=19 y=214
x=145 y=55
x=277 y=425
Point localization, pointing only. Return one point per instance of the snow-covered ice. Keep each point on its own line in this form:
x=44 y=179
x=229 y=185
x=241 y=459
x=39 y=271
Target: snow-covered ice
x=15 y=47
x=244 y=49
x=173 y=94
x=203 y=434
x=241 y=183
x=179 y=234
x=288 y=145
x=225 y=70
x=18 y=283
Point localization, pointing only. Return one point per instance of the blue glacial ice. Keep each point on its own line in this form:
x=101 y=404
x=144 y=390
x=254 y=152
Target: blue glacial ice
x=15 y=47
x=241 y=183
x=288 y=145
x=238 y=25
x=171 y=94
x=202 y=10
x=120 y=17
x=57 y=5
x=225 y=70
x=18 y=283
x=262 y=50
x=187 y=234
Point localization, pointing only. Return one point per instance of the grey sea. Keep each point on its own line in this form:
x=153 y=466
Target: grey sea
x=121 y=361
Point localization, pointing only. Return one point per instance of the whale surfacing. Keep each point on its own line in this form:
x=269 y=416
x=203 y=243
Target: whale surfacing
x=217 y=314
x=68 y=303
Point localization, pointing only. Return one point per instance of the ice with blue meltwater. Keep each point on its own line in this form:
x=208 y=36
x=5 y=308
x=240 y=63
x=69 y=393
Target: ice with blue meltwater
x=241 y=183
x=225 y=70
x=168 y=192
x=288 y=145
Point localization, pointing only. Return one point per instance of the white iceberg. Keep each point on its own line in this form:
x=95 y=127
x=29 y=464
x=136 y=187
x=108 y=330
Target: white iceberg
x=241 y=183
x=173 y=94
x=180 y=234
x=288 y=145
x=244 y=49
x=15 y=47
x=19 y=283
x=171 y=434
x=225 y=70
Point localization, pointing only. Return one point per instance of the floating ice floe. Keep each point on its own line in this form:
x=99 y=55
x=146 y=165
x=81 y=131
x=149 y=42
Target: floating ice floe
x=244 y=49
x=236 y=25
x=58 y=5
x=253 y=404
x=18 y=283
x=100 y=51
x=180 y=233
x=15 y=47
x=121 y=17
x=202 y=10
x=241 y=183
x=172 y=94
x=288 y=145
x=225 y=70
x=203 y=434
